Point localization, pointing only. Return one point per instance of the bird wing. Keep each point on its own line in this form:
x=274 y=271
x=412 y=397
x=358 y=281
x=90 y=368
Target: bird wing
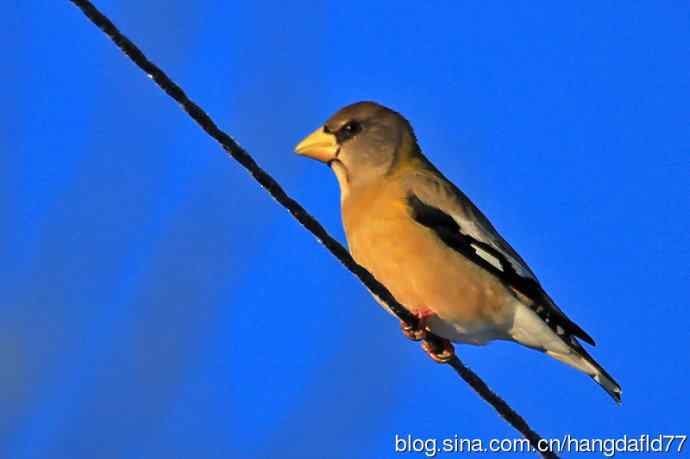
x=436 y=203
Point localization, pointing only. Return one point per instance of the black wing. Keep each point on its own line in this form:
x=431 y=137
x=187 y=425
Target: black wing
x=495 y=262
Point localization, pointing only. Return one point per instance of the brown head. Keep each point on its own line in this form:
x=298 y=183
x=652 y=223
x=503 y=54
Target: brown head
x=361 y=142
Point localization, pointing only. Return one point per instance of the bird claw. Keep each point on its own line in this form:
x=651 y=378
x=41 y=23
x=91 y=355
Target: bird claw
x=418 y=333
x=415 y=334
x=442 y=352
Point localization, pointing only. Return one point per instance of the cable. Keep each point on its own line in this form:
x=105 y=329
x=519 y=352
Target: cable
x=297 y=211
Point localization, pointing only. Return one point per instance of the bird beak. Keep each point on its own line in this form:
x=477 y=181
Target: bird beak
x=318 y=145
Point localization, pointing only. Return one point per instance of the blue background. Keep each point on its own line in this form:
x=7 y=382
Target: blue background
x=156 y=303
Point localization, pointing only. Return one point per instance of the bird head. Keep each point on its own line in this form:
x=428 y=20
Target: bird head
x=361 y=142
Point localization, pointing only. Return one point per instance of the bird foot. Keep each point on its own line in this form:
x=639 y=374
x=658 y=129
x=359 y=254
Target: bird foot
x=442 y=352
x=412 y=333
x=418 y=333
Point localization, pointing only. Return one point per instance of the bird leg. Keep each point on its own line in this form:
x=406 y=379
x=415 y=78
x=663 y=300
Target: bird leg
x=441 y=350
x=419 y=332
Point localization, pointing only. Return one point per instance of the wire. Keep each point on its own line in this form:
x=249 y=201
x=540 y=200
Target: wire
x=297 y=211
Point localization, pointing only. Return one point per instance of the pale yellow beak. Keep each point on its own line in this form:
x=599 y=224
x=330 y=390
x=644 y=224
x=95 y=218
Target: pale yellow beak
x=318 y=145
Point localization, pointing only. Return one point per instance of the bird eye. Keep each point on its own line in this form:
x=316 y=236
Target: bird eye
x=353 y=127
x=348 y=131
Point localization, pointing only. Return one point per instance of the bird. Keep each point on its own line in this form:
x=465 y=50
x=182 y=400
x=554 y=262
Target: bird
x=430 y=245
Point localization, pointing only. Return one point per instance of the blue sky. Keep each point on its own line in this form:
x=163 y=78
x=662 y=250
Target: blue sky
x=157 y=303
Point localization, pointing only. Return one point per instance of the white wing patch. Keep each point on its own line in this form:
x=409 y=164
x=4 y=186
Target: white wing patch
x=486 y=235
x=493 y=260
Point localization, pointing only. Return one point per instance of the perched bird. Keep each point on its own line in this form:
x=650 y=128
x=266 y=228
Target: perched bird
x=421 y=237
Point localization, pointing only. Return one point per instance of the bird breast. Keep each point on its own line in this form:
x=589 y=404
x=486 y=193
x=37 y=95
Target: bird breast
x=420 y=270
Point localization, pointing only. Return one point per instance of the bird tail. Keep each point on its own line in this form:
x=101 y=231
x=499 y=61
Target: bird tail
x=581 y=360
x=549 y=337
